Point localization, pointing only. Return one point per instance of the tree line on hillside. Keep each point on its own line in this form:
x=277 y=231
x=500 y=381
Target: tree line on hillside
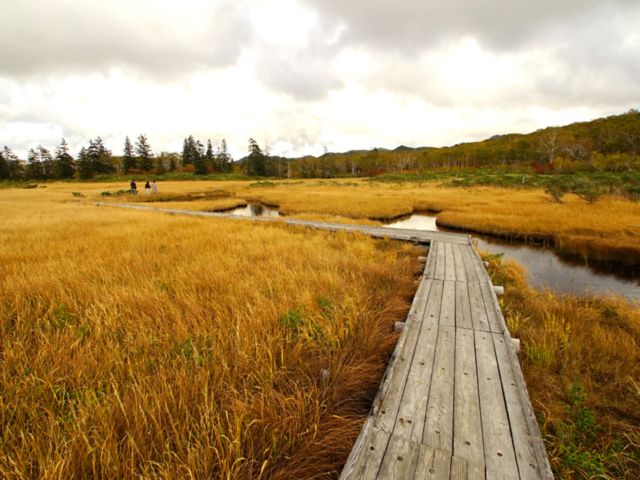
x=606 y=144
x=96 y=159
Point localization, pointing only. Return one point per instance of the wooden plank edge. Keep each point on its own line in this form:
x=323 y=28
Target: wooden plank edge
x=367 y=429
x=532 y=421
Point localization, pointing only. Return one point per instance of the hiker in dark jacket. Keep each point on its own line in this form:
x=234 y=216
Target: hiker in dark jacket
x=147 y=187
x=134 y=188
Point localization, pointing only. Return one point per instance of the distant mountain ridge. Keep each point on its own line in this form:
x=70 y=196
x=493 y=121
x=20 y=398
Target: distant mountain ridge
x=401 y=148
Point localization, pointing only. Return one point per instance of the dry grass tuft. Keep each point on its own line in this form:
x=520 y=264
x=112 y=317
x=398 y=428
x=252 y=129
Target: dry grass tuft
x=137 y=343
x=581 y=362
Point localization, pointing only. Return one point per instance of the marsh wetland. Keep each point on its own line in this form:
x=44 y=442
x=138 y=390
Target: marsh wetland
x=149 y=305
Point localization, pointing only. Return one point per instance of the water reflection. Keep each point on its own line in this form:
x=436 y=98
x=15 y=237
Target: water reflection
x=255 y=210
x=546 y=268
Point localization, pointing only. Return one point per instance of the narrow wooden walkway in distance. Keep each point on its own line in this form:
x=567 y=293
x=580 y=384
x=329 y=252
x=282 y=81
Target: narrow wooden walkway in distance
x=419 y=236
x=453 y=403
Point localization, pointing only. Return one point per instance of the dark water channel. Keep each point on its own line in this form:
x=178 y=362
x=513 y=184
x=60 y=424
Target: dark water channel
x=547 y=269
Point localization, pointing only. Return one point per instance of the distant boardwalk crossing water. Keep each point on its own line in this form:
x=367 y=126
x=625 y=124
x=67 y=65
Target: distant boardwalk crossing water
x=453 y=403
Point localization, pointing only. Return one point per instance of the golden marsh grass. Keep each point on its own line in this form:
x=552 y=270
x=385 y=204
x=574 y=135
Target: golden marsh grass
x=142 y=344
x=608 y=229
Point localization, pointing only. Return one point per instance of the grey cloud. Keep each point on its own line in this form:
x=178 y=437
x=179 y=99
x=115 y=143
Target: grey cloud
x=305 y=74
x=585 y=62
x=413 y=25
x=71 y=35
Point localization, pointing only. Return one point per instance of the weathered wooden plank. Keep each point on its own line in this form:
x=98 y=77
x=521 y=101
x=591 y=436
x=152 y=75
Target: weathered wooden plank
x=492 y=475
x=523 y=439
x=430 y=269
x=478 y=310
x=413 y=406
x=357 y=457
x=438 y=428
x=470 y=270
x=461 y=273
x=434 y=301
x=448 y=306
x=467 y=429
x=441 y=264
x=450 y=264
x=495 y=321
x=433 y=464
x=463 y=470
x=463 y=307
x=477 y=264
x=496 y=432
x=394 y=389
x=371 y=457
x=400 y=459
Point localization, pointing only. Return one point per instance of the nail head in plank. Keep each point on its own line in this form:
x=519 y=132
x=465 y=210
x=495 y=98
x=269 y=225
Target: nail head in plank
x=433 y=464
x=400 y=459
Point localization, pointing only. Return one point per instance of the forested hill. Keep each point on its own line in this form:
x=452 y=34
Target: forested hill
x=608 y=144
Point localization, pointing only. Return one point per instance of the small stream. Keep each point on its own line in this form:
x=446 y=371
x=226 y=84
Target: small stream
x=255 y=210
x=546 y=268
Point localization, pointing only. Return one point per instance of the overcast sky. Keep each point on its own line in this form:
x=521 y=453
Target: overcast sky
x=298 y=75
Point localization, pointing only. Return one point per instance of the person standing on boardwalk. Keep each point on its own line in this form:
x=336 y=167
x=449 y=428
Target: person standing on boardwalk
x=147 y=187
x=134 y=188
x=154 y=189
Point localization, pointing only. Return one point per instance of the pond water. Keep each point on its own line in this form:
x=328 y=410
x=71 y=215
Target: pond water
x=545 y=268
x=255 y=210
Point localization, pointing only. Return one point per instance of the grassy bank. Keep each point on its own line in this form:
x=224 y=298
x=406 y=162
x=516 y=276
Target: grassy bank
x=137 y=344
x=608 y=229
x=581 y=361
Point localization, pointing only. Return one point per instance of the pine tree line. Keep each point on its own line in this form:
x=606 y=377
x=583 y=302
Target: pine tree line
x=205 y=160
x=96 y=159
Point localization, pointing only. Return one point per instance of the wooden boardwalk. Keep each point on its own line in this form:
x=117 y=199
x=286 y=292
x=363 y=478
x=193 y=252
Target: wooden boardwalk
x=453 y=403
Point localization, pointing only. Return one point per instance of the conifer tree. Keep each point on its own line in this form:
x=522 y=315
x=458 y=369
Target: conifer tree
x=200 y=159
x=64 y=164
x=85 y=165
x=100 y=157
x=144 y=154
x=128 y=159
x=4 y=167
x=47 y=162
x=34 y=165
x=256 y=163
x=225 y=160
x=189 y=151
x=211 y=158
x=16 y=167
